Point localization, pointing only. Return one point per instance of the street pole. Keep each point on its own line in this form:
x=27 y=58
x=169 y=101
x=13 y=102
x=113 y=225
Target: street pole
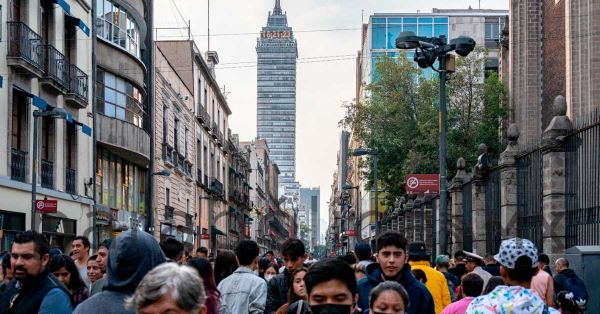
x=34 y=168
x=443 y=200
x=377 y=227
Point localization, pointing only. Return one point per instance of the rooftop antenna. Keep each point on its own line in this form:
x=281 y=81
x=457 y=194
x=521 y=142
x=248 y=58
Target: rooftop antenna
x=362 y=16
x=208 y=26
x=479 y=4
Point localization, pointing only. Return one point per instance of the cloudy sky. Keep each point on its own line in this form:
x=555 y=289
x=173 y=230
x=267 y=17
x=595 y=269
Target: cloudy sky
x=328 y=35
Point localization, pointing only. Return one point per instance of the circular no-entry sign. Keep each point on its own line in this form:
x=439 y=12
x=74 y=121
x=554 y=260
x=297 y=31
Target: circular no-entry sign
x=412 y=182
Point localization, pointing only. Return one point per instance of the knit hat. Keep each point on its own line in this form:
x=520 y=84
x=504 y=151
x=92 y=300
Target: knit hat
x=442 y=259
x=512 y=249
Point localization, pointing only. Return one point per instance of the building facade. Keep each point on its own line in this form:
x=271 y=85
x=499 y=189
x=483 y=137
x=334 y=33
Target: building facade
x=123 y=116
x=46 y=66
x=240 y=203
x=276 y=100
x=309 y=213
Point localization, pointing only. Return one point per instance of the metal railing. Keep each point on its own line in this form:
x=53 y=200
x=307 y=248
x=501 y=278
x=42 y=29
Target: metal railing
x=214 y=130
x=169 y=212
x=493 y=225
x=78 y=83
x=18 y=165
x=530 y=188
x=71 y=181
x=189 y=220
x=167 y=152
x=47 y=176
x=582 y=173
x=26 y=44
x=57 y=66
x=202 y=115
x=216 y=186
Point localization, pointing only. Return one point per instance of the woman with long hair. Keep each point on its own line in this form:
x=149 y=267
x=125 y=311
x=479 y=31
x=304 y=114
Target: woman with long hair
x=225 y=264
x=297 y=296
x=63 y=267
x=205 y=271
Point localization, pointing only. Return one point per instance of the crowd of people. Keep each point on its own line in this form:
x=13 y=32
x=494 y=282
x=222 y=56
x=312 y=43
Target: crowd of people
x=136 y=274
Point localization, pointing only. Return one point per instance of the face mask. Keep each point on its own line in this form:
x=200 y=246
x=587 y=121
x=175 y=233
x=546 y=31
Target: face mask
x=269 y=277
x=331 y=309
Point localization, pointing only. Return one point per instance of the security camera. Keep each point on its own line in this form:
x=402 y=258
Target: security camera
x=464 y=45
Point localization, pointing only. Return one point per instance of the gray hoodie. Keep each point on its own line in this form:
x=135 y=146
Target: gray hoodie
x=132 y=255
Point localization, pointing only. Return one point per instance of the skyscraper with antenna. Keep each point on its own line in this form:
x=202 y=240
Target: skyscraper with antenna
x=277 y=52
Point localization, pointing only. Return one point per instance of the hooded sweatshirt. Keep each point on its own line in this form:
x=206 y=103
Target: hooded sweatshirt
x=132 y=255
x=421 y=301
x=509 y=300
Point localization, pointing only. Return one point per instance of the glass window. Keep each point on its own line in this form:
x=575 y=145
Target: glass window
x=395 y=20
x=392 y=34
x=120 y=99
x=410 y=20
x=425 y=30
x=425 y=20
x=378 y=36
x=410 y=28
x=440 y=29
x=443 y=20
x=117 y=27
x=380 y=20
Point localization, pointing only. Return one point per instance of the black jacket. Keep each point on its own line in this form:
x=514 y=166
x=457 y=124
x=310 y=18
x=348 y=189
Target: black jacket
x=29 y=298
x=459 y=270
x=420 y=299
x=277 y=291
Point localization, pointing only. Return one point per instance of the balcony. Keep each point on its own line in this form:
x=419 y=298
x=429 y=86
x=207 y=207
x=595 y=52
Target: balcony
x=78 y=87
x=199 y=177
x=56 y=70
x=189 y=220
x=25 y=49
x=125 y=139
x=167 y=155
x=220 y=139
x=214 y=130
x=205 y=181
x=71 y=181
x=169 y=213
x=216 y=186
x=18 y=165
x=202 y=116
x=47 y=175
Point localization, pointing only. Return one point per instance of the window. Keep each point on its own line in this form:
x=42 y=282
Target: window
x=118 y=98
x=168 y=197
x=186 y=142
x=492 y=31
x=122 y=183
x=176 y=136
x=165 y=125
x=117 y=26
x=71 y=146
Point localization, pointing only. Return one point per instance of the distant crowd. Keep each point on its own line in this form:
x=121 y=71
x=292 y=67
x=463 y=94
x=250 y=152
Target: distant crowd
x=135 y=274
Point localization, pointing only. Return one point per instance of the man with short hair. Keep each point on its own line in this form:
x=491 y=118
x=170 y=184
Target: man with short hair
x=133 y=254
x=173 y=249
x=436 y=282
x=35 y=290
x=491 y=266
x=472 y=285
x=7 y=273
x=271 y=257
x=331 y=287
x=566 y=280
x=243 y=291
x=202 y=252
x=363 y=253
x=392 y=265
x=294 y=255
x=460 y=268
x=518 y=264
x=93 y=270
x=102 y=260
x=81 y=254
x=442 y=263
x=473 y=264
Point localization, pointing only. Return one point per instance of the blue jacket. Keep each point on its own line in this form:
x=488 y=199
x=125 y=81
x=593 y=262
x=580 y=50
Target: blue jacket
x=421 y=301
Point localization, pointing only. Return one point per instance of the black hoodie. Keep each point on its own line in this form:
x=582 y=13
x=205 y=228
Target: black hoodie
x=420 y=299
x=132 y=255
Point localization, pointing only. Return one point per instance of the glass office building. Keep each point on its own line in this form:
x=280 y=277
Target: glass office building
x=276 y=102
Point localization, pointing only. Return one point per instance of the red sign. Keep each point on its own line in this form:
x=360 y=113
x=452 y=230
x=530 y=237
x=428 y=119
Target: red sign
x=422 y=183
x=46 y=206
x=205 y=236
x=351 y=233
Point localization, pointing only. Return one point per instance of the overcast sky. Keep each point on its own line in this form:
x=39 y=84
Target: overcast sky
x=328 y=35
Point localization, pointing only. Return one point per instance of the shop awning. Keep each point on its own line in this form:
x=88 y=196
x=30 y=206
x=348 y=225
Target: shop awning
x=72 y=20
x=216 y=231
x=63 y=4
x=44 y=106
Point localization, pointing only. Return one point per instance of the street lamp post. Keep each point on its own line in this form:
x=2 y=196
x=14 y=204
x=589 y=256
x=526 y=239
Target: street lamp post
x=427 y=50
x=361 y=152
x=56 y=113
x=150 y=216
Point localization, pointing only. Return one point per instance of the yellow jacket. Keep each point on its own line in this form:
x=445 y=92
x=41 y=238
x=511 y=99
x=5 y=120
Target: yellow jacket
x=436 y=284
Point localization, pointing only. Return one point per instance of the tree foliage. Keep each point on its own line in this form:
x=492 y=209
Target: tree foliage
x=399 y=118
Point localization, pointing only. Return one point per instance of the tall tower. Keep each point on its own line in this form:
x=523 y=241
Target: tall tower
x=277 y=52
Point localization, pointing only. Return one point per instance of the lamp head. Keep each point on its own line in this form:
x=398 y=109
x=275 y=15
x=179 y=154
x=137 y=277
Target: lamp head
x=360 y=152
x=163 y=172
x=407 y=40
x=464 y=45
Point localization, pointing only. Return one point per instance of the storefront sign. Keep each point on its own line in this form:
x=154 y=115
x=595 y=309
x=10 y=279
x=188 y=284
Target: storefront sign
x=351 y=233
x=46 y=206
x=422 y=183
x=205 y=236
x=102 y=215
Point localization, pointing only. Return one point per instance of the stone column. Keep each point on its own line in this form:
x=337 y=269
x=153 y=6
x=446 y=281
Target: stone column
x=553 y=148
x=455 y=190
x=508 y=185
x=428 y=225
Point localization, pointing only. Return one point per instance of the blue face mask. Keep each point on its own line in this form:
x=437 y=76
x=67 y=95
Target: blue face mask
x=331 y=309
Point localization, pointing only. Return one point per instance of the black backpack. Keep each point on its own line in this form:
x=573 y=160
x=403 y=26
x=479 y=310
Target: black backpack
x=577 y=293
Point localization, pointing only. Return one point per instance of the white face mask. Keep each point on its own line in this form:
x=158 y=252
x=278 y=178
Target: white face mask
x=269 y=277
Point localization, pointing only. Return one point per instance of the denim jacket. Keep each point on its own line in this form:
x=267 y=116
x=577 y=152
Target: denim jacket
x=243 y=292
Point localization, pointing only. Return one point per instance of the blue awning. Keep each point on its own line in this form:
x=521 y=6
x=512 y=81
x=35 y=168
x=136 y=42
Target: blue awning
x=44 y=106
x=63 y=4
x=77 y=22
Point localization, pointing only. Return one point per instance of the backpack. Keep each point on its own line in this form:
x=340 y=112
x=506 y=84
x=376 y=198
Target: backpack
x=577 y=293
